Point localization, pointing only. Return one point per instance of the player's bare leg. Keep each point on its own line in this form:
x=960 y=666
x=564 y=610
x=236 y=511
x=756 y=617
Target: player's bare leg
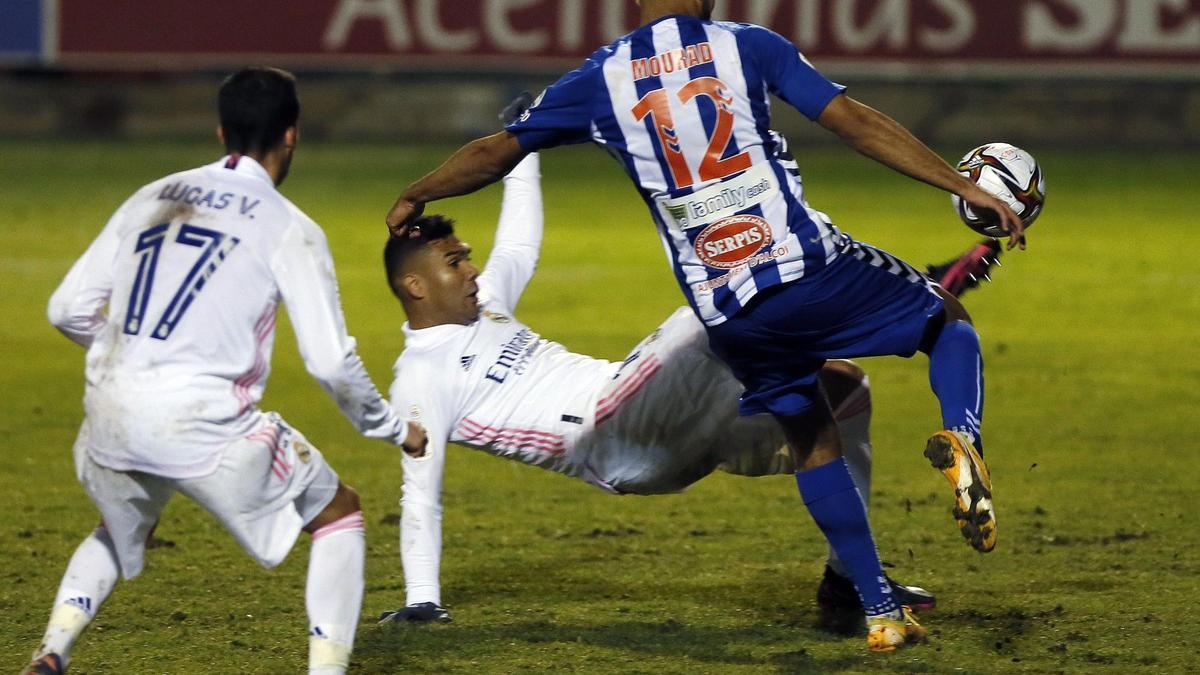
x=333 y=595
x=90 y=577
x=956 y=376
x=833 y=500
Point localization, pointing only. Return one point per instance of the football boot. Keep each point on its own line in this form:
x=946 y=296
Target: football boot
x=968 y=270
x=885 y=634
x=953 y=453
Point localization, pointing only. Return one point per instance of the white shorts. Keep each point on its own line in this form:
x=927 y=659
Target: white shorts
x=267 y=486
x=670 y=417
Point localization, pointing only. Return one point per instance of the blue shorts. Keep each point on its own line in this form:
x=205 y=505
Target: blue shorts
x=865 y=303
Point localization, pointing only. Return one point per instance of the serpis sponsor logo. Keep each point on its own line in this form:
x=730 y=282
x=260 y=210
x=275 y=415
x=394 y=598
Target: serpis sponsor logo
x=730 y=242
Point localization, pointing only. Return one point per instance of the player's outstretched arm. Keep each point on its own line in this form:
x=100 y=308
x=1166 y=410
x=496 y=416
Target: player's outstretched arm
x=885 y=140
x=475 y=165
x=303 y=269
x=514 y=255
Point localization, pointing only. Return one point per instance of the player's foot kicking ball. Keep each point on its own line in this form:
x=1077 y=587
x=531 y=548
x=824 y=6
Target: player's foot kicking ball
x=886 y=633
x=422 y=612
x=969 y=269
x=840 y=610
x=955 y=456
x=47 y=664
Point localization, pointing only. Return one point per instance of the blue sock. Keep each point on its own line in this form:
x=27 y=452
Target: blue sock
x=831 y=497
x=956 y=377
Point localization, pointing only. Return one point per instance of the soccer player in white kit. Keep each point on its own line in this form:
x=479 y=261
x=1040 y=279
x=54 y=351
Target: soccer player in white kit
x=192 y=269
x=656 y=422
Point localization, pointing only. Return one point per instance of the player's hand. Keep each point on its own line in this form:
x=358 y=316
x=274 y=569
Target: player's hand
x=1008 y=219
x=422 y=612
x=415 y=441
x=399 y=219
x=516 y=108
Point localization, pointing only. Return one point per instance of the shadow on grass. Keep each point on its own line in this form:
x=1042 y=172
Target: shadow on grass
x=540 y=644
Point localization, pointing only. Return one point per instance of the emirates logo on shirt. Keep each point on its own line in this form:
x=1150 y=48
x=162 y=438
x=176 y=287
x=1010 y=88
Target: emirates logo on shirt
x=730 y=242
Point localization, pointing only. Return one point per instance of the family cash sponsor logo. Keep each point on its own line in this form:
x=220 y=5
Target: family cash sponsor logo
x=730 y=242
x=723 y=199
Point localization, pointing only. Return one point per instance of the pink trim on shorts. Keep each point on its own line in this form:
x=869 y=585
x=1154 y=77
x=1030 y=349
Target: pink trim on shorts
x=608 y=405
x=269 y=436
x=857 y=403
x=354 y=521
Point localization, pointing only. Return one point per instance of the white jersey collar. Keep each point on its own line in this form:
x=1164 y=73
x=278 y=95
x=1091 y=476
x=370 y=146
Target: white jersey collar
x=426 y=338
x=244 y=165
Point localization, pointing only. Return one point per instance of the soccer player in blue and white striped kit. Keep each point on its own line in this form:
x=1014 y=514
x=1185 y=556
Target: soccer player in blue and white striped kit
x=682 y=103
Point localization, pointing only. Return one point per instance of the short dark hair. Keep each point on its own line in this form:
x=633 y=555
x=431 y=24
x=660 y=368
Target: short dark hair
x=400 y=250
x=256 y=106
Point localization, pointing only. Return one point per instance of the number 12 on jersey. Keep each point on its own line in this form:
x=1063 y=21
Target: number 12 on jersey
x=216 y=246
x=657 y=106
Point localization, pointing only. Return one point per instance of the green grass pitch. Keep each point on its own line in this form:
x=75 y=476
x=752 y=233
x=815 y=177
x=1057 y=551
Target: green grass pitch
x=1092 y=364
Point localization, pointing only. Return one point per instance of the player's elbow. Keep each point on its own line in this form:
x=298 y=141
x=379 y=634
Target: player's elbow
x=77 y=326
x=58 y=313
x=329 y=368
x=497 y=154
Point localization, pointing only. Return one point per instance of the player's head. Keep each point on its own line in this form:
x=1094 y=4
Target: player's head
x=700 y=8
x=430 y=271
x=259 y=111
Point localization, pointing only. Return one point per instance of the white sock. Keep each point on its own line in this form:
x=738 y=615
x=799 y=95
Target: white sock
x=853 y=418
x=89 y=578
x=334 y=593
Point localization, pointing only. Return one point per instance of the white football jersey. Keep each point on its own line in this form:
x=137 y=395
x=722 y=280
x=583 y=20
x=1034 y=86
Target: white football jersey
x=655 y=422
x=192 y=268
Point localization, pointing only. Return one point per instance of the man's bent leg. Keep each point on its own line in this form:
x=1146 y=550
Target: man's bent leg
x=956 y=369
x=956 y=376
x=90 y=577
x=334 y=592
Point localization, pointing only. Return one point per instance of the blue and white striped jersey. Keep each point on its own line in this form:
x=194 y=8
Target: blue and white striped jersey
x=683 y=103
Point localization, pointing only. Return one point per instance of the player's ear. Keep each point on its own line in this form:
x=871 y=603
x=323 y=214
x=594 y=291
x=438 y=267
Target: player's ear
x=220 y=134
x=290 y=136
x=413 y=286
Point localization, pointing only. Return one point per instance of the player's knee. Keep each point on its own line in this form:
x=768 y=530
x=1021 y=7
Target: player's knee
x=347 y=499
x=841 y=379
x=345 y=502
x=955 y=311
x=812 y=437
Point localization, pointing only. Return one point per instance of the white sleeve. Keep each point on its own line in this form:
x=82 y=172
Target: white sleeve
x=518 y=236
x=77 y=306
x=421 y=502
x=303 y=268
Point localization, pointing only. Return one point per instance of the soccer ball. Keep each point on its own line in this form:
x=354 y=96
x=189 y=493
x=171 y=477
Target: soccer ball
x=1011 y=174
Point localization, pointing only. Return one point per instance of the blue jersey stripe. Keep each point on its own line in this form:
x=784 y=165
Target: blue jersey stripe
x=690 y=34
x=609 y=129
x=642 y=46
